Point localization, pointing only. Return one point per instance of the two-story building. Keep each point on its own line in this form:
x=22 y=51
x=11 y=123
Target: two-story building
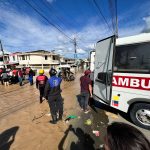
x=13 y=58
x=4 y=60
x=39 y=59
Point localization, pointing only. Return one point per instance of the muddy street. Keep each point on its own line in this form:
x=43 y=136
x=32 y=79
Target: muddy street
x=24 y=122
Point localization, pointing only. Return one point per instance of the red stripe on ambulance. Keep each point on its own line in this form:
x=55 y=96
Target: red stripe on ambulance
x=141 y=83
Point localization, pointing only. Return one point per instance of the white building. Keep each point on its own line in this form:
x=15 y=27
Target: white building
x=13 y=58
x=6 y=60
x=39 y=59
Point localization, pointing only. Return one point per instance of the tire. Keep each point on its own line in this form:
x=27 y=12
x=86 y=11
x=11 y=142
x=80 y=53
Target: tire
x=140 y=115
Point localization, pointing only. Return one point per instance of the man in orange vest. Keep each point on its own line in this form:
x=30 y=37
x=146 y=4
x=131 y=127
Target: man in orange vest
x=40 y=84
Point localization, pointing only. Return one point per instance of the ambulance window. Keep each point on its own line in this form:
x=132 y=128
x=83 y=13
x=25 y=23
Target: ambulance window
x=133 y=58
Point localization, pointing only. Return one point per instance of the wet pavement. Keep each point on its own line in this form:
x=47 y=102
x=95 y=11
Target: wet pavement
x=21 y=112
x=14 y=97
x=81 y=135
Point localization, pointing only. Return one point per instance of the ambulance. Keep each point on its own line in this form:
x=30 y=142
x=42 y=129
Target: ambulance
x=122 y=76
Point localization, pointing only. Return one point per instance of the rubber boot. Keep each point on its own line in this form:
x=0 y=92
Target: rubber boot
x=60 y=117
x=41 y=99
x=54 y=119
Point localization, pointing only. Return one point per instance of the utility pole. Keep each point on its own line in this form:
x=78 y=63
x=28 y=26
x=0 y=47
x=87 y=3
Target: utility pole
x=116 y=32
x=75 y=48
x=3 y=54
x=75 y=51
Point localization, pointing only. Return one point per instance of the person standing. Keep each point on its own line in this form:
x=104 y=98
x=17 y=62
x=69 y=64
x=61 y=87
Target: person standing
x=5 y=78
x=59 y=73
x=10 y=76
x=20 y=76
x=31 y=74
x=40 y=84
x=15 y=75
x=53 y=93
x=1 y=71
x=86 y=90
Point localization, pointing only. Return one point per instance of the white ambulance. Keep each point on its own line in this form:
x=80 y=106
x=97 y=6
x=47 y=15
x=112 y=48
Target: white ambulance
x=122 y=76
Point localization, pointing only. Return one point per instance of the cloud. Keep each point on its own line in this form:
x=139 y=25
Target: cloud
x=23 y=32
x=50 y=1
x=147 y=24
x=81 y=51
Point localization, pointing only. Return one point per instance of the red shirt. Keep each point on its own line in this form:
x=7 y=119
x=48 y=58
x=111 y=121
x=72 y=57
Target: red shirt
x=41 y=80
x=85 y=81
x=1 y=71
x=14 y=72
x=20 y=74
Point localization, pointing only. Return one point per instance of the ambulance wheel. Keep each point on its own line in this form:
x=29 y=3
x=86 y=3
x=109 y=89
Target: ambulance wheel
x=140 y=115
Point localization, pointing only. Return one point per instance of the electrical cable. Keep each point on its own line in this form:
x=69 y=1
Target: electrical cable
x=51 y=8
x=43 y=13
x=112 y=12
x=49 y=22
x=99 y=9
x=116 y=14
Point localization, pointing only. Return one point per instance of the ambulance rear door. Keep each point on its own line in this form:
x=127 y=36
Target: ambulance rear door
x=103 y=71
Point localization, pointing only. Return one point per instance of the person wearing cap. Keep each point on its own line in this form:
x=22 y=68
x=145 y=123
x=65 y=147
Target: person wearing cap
x=31 y=74
x=20 y=76
x=40 y=84
x=53 y=94
x=86 y=90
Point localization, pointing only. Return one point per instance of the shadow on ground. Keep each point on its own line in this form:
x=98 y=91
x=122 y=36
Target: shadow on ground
x=102 y=106
x=7 y=137
x=84 y=142
x=95 y=104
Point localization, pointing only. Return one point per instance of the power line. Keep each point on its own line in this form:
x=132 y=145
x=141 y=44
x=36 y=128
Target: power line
x=36 y=10
x=113 y=9
x=99 y=9
x=116 y=11
x=45 y=16
x=96 y=11
x=51 y=8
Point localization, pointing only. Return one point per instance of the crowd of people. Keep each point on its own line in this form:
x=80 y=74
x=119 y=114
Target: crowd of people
x=16 y=75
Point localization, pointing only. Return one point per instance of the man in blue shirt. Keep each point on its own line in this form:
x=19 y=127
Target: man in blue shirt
x=53 y=93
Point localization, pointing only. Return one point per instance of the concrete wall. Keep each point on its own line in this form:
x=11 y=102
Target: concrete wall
x=37 y=59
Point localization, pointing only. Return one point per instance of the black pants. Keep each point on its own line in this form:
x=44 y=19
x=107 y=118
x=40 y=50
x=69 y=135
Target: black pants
x=56 y=105
x=41 y=89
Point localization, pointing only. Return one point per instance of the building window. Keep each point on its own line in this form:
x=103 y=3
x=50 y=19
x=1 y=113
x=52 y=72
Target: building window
x=23 y=57
x=13 y=58
x=29 y=57
x=46 y=57
x=54 y=58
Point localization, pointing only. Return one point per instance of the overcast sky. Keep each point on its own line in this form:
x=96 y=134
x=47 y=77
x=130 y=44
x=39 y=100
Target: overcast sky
x=23 y=29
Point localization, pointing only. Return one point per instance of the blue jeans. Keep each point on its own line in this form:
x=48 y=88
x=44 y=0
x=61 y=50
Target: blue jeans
x=31 y=80
x=20 y=81
x=84 y=100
